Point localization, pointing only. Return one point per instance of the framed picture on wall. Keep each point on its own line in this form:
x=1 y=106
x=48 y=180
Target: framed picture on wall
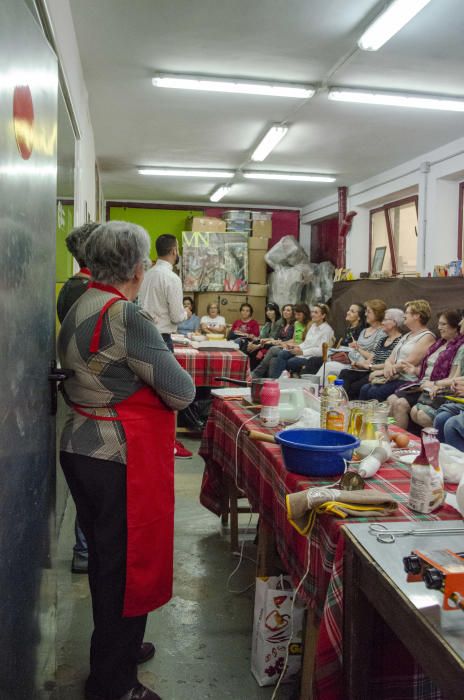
x=379 y=257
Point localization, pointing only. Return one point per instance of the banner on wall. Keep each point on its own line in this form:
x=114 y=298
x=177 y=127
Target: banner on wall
x=214 y=262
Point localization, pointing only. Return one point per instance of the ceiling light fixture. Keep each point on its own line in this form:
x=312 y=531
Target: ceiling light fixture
x=233 y=85
x=220 y=193
x=397 y=99
x=184 y=172
x=389 y=22
x=296 y=177
x=269 y=142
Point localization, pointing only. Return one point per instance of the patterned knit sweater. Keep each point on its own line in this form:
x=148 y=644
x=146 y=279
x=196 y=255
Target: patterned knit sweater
x=132 y=354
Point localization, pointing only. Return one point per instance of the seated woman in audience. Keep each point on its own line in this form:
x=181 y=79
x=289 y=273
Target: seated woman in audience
x=440 y=365
x=449 y=420
x=302 y=315
x=268 y=332
x=244 y=328
x=361 y=370
x=213 y=322
x=356 y=319
x=281 y=332
x=192 y=322
x=366 y=342
x=408 y=353
x=293 y=357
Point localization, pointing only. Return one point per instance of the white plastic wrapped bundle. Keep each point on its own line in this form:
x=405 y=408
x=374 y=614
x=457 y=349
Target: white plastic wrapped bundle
x=287 y=252
x=326 y=272
x=320 y=286
x=286 y=284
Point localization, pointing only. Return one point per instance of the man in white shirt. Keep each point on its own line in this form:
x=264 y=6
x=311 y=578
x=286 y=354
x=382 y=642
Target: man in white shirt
x=161 y=296
x=161 y=290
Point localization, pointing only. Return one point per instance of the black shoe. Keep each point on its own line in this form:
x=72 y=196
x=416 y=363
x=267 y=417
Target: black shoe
x=190 y=419
x=80 y=563
x=146 y=652
x=138 y=692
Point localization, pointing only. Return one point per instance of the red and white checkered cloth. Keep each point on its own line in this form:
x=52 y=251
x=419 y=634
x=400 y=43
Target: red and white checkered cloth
x=205 y=365
x=261 y=474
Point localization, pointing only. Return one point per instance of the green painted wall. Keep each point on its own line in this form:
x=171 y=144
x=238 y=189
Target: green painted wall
x=156 y=221
x=64 y=224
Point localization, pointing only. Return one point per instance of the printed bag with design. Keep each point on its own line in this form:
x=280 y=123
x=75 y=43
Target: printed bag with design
x=272 y=627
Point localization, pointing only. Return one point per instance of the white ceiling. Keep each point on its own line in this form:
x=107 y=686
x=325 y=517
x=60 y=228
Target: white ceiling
x=124 y=42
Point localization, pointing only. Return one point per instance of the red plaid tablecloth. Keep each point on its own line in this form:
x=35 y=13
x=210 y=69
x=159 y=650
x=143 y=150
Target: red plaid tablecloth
x=260 y=473
x=207 y=364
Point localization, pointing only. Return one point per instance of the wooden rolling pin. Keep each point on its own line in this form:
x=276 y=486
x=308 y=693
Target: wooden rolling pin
x=325 y=352
x=264 y=437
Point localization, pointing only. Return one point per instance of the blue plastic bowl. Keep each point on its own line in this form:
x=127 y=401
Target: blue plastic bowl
x=315 y=451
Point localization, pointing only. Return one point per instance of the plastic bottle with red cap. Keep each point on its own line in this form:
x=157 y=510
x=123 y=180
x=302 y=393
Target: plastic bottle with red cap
x=270 y=397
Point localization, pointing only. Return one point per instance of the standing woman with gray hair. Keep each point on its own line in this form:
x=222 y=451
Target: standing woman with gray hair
x=372 y=364
x=117 y=453
x=70 y=292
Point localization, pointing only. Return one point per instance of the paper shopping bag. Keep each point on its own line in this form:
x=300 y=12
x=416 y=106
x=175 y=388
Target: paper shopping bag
x=272 y=627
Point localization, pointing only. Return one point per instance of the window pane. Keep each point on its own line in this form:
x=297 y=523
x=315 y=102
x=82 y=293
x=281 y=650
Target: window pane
x=461 y=202
x=403 y=220
x=380 y=238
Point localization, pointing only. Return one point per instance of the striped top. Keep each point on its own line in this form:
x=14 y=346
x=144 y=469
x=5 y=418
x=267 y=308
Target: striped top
x=382 y=352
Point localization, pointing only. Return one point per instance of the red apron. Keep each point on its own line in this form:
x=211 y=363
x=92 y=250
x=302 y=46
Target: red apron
x=149 y=427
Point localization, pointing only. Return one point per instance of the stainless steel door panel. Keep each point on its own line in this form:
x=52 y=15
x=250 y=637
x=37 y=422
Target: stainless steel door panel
x=27 y=254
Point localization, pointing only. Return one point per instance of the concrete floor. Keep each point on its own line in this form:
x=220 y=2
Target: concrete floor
x=203 y=636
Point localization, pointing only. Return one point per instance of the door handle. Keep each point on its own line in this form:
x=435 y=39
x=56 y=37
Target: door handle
x=56 y=375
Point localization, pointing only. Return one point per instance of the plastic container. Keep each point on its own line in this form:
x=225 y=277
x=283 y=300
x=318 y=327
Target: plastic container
x=316 y=452
x=427 y=491
x=270 y=397
x=324 y=396
x=337 y=408
x=334 y=405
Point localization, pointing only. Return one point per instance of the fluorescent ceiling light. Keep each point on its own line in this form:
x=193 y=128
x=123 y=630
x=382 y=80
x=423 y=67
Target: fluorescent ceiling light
x=397 y=99
x=232 y=85
x=220 y=193
x=389 y=22
x=297 y=177
x=184 y=172
x=269 y=142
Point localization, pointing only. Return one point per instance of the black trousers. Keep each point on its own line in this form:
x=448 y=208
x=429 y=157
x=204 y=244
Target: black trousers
x=99 y=491
x=168 y=340
x=353 y=381
x=312 y=365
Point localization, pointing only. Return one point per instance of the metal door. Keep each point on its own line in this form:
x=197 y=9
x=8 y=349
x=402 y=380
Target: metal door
x=28 y=99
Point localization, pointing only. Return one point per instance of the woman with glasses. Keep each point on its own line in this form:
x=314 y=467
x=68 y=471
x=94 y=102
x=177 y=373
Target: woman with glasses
x=364 y=369
x=408 y=354
x=437 y=371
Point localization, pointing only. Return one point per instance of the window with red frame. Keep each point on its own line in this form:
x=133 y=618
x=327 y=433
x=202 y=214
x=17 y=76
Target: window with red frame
x=460 y=221
x=394 y=226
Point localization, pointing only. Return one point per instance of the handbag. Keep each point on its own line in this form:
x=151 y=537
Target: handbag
x=426 y=400
x=379 y=380
x=340 y=357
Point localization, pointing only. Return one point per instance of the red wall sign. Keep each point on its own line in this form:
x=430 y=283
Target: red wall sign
x=23 y=120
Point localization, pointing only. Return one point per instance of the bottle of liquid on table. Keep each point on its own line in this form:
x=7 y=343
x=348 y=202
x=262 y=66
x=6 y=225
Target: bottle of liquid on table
x=324 y=397
x=337 y=407
x=426 y=492
x=270 y=397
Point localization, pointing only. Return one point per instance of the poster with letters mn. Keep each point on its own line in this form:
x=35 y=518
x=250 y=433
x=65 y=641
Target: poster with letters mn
x=214 y=262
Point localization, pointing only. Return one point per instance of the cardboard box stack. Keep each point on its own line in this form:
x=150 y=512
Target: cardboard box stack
x=229 y=304
x=208 y=224
x=259 y=225
x=258 y=244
